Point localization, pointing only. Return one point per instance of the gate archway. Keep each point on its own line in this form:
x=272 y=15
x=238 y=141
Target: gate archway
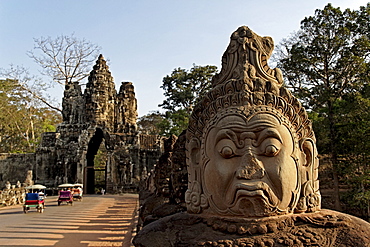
x=94 y=166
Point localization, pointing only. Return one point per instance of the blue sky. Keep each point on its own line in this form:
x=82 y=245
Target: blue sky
x=144 y=40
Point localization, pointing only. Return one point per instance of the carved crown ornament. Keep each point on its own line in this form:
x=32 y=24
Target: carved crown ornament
x=247 y=107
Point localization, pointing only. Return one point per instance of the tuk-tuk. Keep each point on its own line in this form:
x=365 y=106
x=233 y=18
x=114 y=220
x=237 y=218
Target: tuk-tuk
x=65 y=194
x=35 y=198
x=77 y=192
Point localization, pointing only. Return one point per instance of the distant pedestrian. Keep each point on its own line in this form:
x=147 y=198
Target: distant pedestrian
x=102 y=191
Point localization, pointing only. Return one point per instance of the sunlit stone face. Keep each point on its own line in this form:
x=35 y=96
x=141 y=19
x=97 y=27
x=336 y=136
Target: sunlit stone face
x=249 y=168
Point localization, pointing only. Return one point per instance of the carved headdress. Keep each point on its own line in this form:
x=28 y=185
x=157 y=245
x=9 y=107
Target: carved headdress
x=246 y=84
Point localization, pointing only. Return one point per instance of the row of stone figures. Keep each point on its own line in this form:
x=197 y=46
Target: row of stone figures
x=12 y=194
x=245 y=172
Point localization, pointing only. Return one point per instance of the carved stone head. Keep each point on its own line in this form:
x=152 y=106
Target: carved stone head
x=250 y=147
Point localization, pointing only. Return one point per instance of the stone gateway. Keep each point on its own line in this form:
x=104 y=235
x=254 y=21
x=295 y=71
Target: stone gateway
x=252 y=165
x=98 y=122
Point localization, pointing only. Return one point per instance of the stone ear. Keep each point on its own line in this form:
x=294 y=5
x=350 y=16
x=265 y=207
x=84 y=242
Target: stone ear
x=312 y=162
x=310 y=199
x=194 y=197
x=193 y=151
x=193 y=158
x=308 y=147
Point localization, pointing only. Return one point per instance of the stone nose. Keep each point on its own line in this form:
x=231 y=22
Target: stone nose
x=250 y=168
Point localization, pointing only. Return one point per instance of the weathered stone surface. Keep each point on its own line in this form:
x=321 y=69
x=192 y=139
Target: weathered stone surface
x=97 y=117
x=102 y=116
x=14 y=167
x=158 y=195
x=324 y=228
x=15 y=193
x=252 y=165
x=247 y=136
x=179 y=173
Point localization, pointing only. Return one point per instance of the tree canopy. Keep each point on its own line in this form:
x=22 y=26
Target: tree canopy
x=150 y=123
x=22 y=119
x=183 y=89
x=327 y=58
x=326 y=63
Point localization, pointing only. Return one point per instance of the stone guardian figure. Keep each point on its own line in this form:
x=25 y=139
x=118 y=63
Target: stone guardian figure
x=252 y=165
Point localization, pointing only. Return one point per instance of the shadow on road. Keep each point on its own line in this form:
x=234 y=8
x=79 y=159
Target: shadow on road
x=96 y=221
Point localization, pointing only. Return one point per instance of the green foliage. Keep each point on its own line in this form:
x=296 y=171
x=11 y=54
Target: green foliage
x=353 y=130
x=358 y=197
x=100 y=159
x=183 y=89
x=327 y=65
x=327 y=57
x=29 y=85
x=149 y=124
x=164 y=124
x=174 y=122
x=22 y=120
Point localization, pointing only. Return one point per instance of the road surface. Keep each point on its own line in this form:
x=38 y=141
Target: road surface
x=98 y=220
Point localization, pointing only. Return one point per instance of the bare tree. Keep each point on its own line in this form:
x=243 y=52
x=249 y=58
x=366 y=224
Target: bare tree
x=65 y=58
x=33 y=85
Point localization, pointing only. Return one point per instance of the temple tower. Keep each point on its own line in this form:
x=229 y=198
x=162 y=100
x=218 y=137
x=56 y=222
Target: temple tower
x=100 y=95
x=98 y=136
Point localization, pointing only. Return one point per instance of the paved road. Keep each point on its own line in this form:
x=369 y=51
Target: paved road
x=98 y=220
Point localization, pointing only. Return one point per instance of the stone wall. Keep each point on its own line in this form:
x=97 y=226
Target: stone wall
x=14 y=167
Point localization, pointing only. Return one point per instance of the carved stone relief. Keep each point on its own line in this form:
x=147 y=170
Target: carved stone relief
x=252 y=165
x=247 y=136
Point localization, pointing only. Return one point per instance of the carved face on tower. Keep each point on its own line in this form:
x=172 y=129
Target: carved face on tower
x=250 y=146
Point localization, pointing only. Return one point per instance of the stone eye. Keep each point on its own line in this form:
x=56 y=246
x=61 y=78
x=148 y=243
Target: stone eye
x=227 y=152
x=271 y=150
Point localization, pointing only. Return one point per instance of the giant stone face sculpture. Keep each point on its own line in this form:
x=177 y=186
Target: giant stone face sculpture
x=247 y=161
x=251 y=149
x=252 y=165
